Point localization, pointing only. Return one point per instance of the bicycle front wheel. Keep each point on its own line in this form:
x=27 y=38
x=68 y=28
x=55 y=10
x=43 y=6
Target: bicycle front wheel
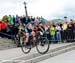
x=42 y=45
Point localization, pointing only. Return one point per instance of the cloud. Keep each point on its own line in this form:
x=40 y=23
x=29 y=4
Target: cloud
x=12 y=7
x=47 y=8
x=69 y=9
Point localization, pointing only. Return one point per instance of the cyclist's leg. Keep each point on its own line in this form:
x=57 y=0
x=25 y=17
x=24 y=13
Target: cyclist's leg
x=33 y=34
x=34 y=37
x=26 y=37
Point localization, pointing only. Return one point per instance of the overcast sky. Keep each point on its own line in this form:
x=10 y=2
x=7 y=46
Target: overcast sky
x=47 y=8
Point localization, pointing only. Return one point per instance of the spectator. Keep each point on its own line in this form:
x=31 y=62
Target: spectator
x=10 y=19
x=58 y=33
x=14 y=20
x=70 y=32
x=64 y=29
x=20 y=22
x=27 y=20
x=23 y=20
x=32 y=18
x=17 y=19
x=37 y=19
x=74 y=31
x=3 y=26
x=0 y=27
x=52 y=33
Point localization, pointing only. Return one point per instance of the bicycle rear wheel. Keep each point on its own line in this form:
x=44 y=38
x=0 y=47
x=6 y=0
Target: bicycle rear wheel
x=42 y=45
x=24 y=47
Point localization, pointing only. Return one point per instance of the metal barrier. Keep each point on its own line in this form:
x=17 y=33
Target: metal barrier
x=7 y=35
x=67 y=35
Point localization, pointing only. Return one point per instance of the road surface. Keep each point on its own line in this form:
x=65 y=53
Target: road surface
x=16 y=53
x=68 y=57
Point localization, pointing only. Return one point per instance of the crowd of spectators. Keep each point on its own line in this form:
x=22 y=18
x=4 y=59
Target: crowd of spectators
x=62 y=31
x=56 y=31
x=11 y=22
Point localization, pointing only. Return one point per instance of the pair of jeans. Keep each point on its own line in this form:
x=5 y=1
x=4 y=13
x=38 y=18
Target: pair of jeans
x=52 y=38
x=58 y=36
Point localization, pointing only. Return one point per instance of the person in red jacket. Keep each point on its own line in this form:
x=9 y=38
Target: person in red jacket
x=3 y=26
x=0 y=27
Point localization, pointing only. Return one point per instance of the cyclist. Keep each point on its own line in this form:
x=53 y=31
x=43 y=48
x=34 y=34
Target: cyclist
x=27 y=31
